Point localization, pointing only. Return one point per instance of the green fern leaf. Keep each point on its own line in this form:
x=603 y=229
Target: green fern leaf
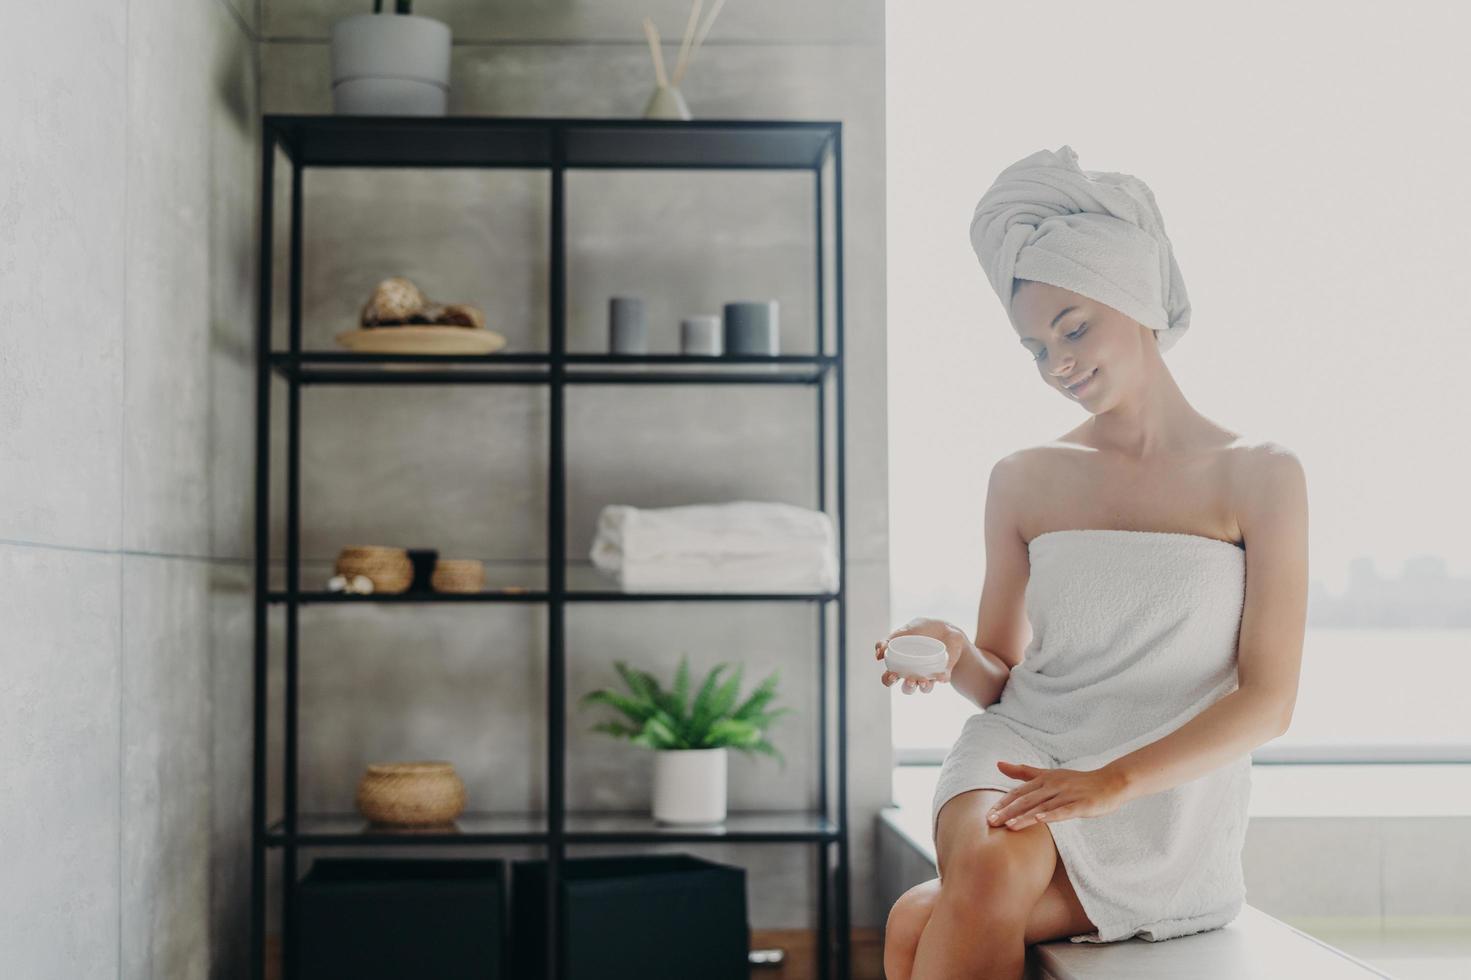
x=766 y=748
x=674 y=726
x=636 y=710
x=758 y=699
x=765 y=718
x=660 y=730
x=615 y=728
x=725 y=696
x=666 y=700
x=702 y=714
x=638 y=682
x=682 y=687
x=728 y=732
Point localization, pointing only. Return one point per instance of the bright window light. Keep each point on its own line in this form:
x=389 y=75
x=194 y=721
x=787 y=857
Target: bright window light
x=1321 y=215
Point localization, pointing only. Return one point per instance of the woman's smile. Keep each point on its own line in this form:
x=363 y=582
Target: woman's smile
x=1077 y=389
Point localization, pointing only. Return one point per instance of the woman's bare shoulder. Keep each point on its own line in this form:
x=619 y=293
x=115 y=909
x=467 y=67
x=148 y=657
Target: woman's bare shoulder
x=1261 y=469
x=1254 y=453
x=1034 y=459
x=1244 y=453
x=1022 y=479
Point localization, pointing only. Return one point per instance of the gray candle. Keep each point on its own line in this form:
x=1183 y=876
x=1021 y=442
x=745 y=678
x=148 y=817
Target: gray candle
x=751 y=327
x=700 y=335
x=627 y=333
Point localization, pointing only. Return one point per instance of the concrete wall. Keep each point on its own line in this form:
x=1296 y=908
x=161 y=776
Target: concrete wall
x=464 y=469
x=126 y=410
x=127 y=203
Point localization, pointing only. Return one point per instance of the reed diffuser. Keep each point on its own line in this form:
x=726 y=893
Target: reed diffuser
x=667 y=102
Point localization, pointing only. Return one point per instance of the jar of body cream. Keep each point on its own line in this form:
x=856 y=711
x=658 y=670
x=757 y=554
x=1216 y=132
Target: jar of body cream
x=916 y=655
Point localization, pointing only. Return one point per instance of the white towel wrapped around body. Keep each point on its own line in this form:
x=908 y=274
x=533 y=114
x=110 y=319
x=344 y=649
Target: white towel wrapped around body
x=1133 y=634
x=741 y=546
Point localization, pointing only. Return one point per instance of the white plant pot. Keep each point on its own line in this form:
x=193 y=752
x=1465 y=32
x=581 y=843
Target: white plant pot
x=689 y=785
x=390 y=65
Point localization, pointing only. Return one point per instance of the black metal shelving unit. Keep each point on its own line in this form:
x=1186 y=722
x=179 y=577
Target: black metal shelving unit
x=556 y=145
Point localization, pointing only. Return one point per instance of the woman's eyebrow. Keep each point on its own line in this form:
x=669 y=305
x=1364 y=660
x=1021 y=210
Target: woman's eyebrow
x=1059 y=316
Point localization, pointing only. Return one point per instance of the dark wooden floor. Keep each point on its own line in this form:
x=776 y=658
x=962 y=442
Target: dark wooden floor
x=800 y=962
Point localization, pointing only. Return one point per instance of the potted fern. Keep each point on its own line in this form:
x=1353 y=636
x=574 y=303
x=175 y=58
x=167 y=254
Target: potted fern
x=690 y=737
x=390 y=64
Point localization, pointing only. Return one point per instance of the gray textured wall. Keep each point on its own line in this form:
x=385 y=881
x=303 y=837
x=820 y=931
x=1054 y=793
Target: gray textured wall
x=127 y=217
x=464 y=470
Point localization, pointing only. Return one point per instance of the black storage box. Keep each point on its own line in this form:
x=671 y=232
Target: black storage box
x=639 y=917
x=399 y=918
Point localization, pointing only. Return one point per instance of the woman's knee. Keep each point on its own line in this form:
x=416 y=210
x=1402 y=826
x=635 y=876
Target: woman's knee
x=907 y=920
x=961 y=824
x=994 y=874
x=910 y=913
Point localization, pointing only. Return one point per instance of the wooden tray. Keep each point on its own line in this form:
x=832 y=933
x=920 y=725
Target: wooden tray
x=422 y=339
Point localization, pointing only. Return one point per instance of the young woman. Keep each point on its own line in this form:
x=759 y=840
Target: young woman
x=1160 y=560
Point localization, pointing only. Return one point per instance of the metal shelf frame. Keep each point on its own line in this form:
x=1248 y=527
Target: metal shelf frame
x=556 y=145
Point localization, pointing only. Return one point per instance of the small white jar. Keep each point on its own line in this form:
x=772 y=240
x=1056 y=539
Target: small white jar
x=700 y=335
x=916 y=655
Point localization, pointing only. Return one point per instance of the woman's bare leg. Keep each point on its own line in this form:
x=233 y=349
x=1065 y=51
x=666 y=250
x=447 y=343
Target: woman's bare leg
x=993 y=882
x=1057 y=915
x=907 y=919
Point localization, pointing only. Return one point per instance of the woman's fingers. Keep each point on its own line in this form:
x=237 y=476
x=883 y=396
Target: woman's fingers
x=924 y=684
x=1018 y=809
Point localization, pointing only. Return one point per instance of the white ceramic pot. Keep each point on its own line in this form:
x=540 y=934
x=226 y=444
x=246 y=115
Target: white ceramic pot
x=390 y=65
x=689 y=785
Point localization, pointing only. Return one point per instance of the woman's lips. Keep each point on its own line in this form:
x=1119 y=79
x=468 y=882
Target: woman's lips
x=1080 y=388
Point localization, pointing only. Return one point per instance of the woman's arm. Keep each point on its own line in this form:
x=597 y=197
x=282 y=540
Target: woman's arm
x=979 y=675
x=1274 y=519
x=1231 y=727
x=1001 y=622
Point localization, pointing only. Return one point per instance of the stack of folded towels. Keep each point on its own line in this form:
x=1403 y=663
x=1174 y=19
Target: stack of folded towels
x=743 y=546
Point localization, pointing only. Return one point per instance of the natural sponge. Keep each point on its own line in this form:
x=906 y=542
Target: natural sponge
x=394 y=300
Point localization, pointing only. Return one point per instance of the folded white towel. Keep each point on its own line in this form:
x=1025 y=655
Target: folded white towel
x=745 y=575
x=742 y=546
x=1094 y=232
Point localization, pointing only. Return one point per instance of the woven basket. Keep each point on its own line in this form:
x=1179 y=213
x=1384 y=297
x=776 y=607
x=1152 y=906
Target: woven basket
x=411 y=794
x=389 y=568
x=458 y=575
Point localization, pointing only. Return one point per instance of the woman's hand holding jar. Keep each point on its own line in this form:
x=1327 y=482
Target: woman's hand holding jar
x=955 y=644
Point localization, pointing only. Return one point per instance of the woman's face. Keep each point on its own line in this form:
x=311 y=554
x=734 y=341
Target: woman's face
x=1072 y=338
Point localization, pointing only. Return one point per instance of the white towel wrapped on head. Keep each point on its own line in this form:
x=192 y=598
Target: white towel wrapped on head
x=742 y=546
x=1094 y=232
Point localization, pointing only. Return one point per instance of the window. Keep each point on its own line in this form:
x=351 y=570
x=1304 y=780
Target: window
x=1320 y=221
